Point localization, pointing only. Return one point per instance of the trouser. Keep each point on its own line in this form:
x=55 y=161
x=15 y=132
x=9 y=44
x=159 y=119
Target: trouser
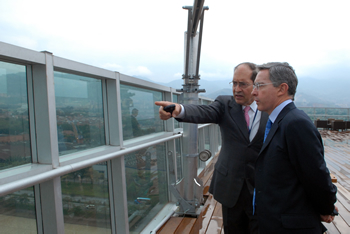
x=239 y=218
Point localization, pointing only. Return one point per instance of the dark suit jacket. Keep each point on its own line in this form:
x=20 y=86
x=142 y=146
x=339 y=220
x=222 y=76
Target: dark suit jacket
x=237 y=157
x=293 y=185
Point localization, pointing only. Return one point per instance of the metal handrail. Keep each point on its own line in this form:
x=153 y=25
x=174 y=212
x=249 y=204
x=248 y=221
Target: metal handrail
x=42 y=177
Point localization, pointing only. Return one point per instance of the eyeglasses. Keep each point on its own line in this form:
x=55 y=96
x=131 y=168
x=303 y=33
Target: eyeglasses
x=258 y=85
x=242 y=85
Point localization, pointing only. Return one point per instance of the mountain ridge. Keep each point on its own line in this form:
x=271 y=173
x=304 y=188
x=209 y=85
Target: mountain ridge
x=311 y=92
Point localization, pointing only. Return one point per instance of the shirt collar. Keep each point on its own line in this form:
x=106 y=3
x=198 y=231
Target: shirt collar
x=278 y=109
x=253 y=106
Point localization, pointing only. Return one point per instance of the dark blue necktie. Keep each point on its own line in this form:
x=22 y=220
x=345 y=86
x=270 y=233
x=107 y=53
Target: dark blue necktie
x=267 y=129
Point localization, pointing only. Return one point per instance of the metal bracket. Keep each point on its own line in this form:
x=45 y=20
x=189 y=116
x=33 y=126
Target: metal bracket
x=188 y=207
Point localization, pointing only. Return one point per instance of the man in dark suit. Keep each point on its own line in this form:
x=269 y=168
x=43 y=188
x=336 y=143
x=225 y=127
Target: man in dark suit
x=294 y=191
x=233 y=179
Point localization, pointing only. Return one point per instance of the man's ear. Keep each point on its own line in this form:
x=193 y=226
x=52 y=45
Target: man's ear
x=283 y=89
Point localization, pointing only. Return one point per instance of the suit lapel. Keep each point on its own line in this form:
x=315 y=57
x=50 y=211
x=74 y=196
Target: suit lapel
x=238 y=117
x=276 y=124
x=263 y=119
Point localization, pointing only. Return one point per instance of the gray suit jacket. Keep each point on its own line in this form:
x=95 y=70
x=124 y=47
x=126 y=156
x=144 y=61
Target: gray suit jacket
x=237 y=157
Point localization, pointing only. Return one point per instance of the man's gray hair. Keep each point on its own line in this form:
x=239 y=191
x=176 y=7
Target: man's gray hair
x=281 y=73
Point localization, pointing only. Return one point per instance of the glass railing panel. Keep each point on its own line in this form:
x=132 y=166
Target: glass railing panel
x=79 y=109
x=15 y=148
x=206 y=102
x=207 y=138
x=139 y=114
x=147 y=187
x=85 y=200
x=324 y=113
x=17 y=212
x=308 y=110
x=338 y=113
x=320 y=111
x=179 y=160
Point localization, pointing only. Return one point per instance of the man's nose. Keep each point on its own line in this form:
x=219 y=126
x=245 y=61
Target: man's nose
x=254 y=92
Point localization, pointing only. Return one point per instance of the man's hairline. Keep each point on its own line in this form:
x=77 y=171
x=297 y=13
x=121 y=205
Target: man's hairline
x=251 y=70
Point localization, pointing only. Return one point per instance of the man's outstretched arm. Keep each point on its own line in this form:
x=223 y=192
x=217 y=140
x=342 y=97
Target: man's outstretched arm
x=167 y=115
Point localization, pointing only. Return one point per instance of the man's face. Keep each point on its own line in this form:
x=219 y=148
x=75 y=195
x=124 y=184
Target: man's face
x=241 y=77
x=266 y=95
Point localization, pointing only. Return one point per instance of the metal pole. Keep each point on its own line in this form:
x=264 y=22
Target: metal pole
x=190 y=132
x=188 y=41
x=189 y=191
x=200 y=42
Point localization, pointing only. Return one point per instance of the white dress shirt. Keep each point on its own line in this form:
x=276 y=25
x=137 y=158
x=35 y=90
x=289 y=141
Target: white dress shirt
x=253 y=122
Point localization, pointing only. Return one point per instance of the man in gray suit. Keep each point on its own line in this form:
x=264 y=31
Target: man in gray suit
x=242 y=129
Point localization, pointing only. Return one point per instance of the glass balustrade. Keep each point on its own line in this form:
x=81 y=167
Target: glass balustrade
x=79 y=110
x=325 y=113
x=15 y=146
x=85 y=198
x=17 y=212
x=139 y=114
x=98 y=114
x=146 y=182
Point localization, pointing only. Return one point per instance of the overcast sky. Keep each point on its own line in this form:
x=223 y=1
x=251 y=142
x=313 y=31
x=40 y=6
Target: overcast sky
x=146 y=38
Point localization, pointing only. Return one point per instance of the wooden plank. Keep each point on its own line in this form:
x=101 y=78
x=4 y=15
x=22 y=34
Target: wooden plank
x=343 y=212
x=206 y=190
x=185 y=226
x=218 y=211
x=215 y=226
x=338 y=162
x=342 y=197
x=331 y=229
x=341 y=225
x=216 y=222
x=206 y=214
x=170 y=226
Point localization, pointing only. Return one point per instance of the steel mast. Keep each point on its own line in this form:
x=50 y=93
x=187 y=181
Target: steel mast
x=189 y=191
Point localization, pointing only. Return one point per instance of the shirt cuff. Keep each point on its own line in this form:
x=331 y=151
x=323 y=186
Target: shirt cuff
x=182 y=113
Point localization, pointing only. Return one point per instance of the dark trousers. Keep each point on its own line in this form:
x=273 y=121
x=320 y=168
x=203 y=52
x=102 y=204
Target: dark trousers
x=239 y=219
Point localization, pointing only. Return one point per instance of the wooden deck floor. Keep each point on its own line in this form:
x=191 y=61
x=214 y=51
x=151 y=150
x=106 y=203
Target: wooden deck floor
x=337 y=155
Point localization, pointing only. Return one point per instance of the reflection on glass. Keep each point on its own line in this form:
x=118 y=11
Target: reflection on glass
x=17 y=212
x=79 y=109
x=145 y=172
x=326 y=113
x=178 y=158
x=85 y=200
x=139 y=114
x=206 y=138
x=206 y=102
x=14 y=121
